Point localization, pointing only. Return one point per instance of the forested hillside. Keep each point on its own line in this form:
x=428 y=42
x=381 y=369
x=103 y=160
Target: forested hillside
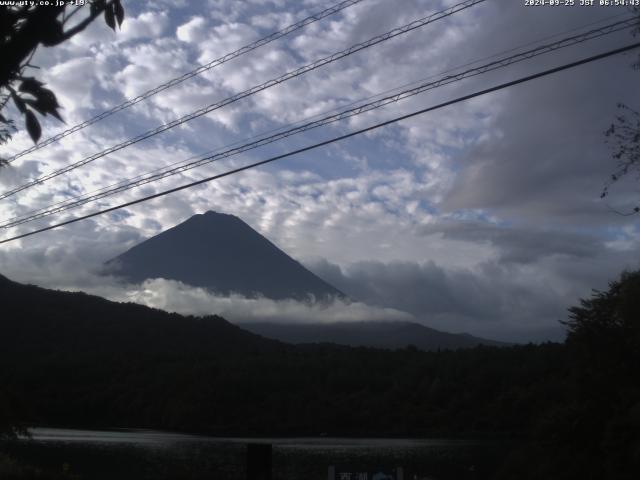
x=378 y=334
x=76 y=360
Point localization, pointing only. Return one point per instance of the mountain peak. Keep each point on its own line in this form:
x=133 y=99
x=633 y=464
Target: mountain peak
x=221 y=253
x=213 y=215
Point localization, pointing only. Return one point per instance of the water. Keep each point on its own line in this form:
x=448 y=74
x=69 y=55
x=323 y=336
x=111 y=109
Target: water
x=145 y=454
x=167 y=439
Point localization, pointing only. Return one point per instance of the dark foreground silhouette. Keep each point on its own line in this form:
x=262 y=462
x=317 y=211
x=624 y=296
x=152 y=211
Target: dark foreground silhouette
x=71 y=359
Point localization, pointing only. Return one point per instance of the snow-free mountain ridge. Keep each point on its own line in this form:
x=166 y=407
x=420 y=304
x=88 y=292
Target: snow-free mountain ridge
x=223 y=254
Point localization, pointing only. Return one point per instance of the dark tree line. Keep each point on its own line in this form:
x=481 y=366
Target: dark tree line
x=574 y=408
x=592 y=431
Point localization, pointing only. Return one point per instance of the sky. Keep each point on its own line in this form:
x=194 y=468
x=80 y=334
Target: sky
x=483 y=217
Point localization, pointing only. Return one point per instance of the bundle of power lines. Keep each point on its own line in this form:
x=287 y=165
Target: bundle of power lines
x=498 y=61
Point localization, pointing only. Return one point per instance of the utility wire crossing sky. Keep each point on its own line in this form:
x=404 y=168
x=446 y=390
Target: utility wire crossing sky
x=483 y=217
x=501 y=63
x=203 y=68
x=343 y=137
x=251 y=91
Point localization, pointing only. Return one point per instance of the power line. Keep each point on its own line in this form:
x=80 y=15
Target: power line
x=74 y=201
x=347 y=113
x=335 y=139
x=395 y=89
x=253 y=90
x=203 y=68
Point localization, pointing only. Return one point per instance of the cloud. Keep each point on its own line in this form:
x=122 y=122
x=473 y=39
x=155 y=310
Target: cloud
x=521 y=244
x=150 y=64
x=145 y=25
x=66 y=258
x=493 y=301
x=77 y=269
x=174 y=296
x=72 y=81
x=225 y=38
x=481 y=217
x=518 y=295
x=194 y=31
x=550 y=161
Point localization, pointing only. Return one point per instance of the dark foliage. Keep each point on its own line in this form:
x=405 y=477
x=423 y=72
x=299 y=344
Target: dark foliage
x=25 y=27
x=76 y=360
x=593 y=432
x=84 y=361
x=623 y=137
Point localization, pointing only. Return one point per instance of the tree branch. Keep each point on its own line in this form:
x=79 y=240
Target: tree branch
x=84 y=24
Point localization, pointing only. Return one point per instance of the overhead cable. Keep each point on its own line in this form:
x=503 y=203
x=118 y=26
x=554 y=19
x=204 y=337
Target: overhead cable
x=251 y=91
x=333 y=140
x=203 y=68
x=327 y=119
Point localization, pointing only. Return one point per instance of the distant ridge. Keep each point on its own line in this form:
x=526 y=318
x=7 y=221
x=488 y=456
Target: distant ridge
x=36 y=321
x=223 y=254
x=377 y=334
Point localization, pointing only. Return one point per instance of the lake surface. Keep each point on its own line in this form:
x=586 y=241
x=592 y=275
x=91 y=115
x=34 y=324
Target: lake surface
x=158 y=438
x=146 y=454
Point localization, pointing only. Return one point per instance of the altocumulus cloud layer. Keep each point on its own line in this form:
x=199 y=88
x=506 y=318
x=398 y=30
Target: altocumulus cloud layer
x=483 y=217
